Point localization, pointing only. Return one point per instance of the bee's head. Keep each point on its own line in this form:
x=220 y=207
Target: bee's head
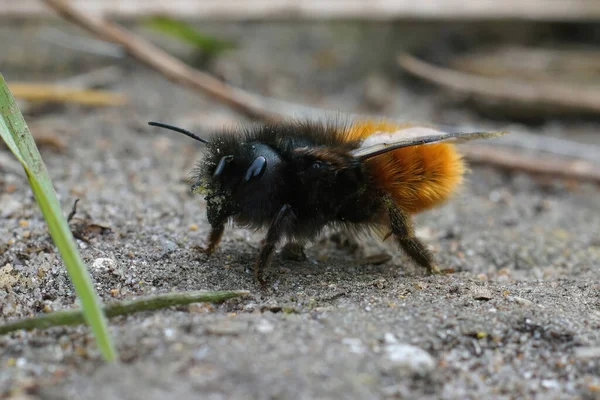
x=238 y=179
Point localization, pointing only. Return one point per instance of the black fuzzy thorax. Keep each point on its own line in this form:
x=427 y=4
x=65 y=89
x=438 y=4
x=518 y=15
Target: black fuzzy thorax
x=307 y=168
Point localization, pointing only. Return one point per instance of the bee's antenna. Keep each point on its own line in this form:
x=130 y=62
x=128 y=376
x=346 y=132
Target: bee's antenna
x=180 y=130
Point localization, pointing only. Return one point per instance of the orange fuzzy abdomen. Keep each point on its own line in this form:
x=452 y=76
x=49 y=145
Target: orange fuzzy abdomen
x=417 y=177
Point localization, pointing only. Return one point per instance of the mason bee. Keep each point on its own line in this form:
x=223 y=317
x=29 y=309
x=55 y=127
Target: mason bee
x=296 y=178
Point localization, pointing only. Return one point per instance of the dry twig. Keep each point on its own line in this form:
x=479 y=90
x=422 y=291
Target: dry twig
x=577 y=65
x=534 y=164
x=552 y=95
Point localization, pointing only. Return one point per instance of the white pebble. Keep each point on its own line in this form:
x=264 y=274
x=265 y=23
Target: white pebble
x=550 y=384
x=105 y=264
x=410 y=358
x=389 y=338
x=169 y=333
x=264 y=326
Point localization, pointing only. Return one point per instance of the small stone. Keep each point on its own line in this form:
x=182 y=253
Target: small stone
x=550 y=384
x=587 y=353
x=169 y=333
x=103 y=263
x=389 y=338
x=481 y=293
x=106 y=264
x=168 y=246
x=193 y=227
x=410 y=359
x=8 y=276
x=24 y=223
x=522 y=301
x=264 y=326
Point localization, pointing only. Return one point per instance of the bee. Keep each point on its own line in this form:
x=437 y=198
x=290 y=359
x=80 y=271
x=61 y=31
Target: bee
x=296 y=178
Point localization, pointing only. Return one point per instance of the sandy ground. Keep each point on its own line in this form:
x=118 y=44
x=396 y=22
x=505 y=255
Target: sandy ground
x=519 y=317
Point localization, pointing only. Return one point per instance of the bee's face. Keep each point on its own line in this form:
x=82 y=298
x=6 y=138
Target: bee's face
x=240 y=182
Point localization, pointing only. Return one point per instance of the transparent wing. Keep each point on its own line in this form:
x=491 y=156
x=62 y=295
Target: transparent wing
x=382 y=142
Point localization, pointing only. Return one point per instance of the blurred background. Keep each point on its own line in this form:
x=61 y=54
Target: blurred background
x=525 y=62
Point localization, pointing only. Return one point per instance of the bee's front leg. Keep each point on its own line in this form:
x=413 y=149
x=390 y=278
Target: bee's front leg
x=214 y=238
x=280 y=224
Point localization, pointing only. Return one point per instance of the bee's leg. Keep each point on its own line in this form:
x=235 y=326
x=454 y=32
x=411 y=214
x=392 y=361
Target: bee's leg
x=214 y=238
x=280 y=223
x=293 y=251
x=402 y=228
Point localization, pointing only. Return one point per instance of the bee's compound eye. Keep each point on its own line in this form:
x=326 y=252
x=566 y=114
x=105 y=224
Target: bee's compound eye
x=256 y=169
x=317 y=164
x=221 y=166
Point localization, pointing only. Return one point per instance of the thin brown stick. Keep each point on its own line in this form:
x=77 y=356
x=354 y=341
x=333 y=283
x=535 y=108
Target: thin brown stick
x=170 y=67
x=533 y=164
x=532 y=63
x=540 y=10
x=552 y=95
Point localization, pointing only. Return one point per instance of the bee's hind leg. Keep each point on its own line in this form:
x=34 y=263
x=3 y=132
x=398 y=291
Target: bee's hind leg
x=402 y=228
x=293 y=251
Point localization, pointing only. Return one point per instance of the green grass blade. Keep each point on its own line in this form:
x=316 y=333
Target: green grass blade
x=186 y=33
x=126 y=307
x=15 y=133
